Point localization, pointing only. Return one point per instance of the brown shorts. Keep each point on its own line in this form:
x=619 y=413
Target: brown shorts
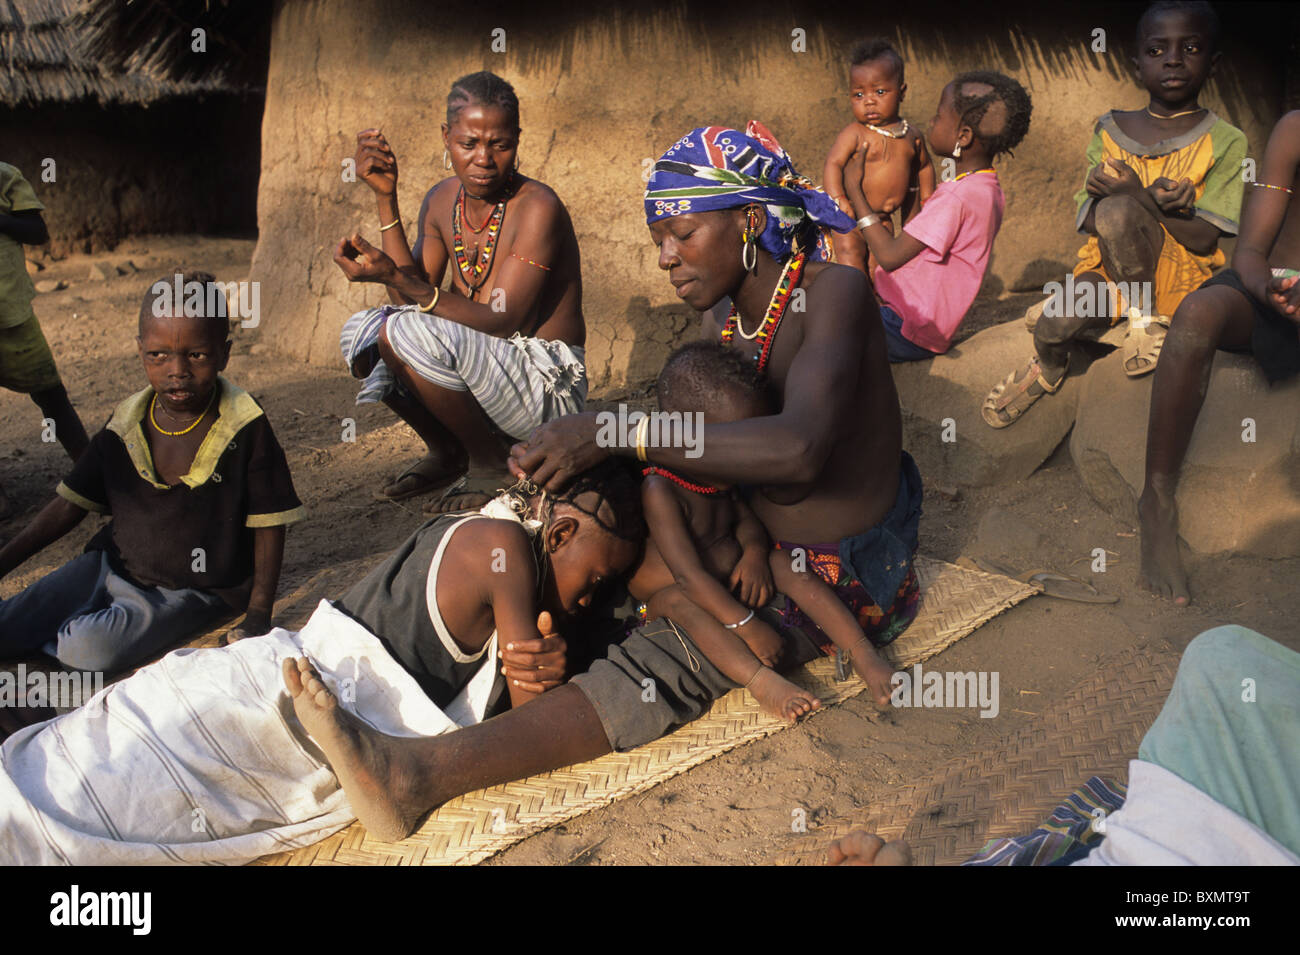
x=657 y=679
x=26 y=364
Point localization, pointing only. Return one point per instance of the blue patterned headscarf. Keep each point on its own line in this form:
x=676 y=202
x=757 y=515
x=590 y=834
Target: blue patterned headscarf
x=714 y=167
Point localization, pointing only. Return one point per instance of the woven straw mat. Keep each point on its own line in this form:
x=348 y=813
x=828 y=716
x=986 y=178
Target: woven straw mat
x=468 y=829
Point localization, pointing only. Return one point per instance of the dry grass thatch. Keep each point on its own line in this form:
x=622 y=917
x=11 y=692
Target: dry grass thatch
x=137 y=51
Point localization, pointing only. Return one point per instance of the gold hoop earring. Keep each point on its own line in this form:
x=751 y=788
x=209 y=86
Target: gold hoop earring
x=446 y=160
x=517 y=162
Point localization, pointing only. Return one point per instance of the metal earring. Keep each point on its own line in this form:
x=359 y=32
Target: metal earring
x=446 y=160
x=749 y=244
x=956 y=151
x=517 y=162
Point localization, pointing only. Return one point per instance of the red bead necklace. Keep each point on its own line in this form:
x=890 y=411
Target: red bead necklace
x=705 y=489
x=476 y=273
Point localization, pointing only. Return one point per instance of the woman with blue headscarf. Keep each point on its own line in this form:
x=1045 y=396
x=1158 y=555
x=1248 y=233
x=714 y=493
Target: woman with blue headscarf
x=742 y=238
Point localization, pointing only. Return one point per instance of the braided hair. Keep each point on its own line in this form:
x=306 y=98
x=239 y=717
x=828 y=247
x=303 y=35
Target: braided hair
x=615 y=482
x=483 y=89
x=1007 y=126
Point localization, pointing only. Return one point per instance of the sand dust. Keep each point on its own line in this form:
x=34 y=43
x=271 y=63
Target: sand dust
x=739 y=807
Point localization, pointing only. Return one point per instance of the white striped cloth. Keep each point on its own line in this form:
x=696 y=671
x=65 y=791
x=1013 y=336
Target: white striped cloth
x=200 y=758
x=519 y=382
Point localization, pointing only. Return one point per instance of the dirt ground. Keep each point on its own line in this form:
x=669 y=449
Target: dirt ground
x=736 y=808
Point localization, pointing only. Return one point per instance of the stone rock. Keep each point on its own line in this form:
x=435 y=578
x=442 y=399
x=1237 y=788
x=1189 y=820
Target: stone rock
x=51 y=285
x=125 y=268
x=97 y=273
x=941 y=398
x=1234 y=495
x=34 y=267
x=258 y=349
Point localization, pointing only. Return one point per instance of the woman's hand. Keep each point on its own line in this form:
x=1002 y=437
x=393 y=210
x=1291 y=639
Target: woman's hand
x=1284 y=296
x=558 y=451
x=362 y=262
x=536 y=666
x=751 y=580
x=376 y=163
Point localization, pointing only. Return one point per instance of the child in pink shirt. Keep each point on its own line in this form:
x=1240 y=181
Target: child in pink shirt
x=930 y=273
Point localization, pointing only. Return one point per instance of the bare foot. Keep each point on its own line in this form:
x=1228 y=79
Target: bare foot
x=1162 y=569
x=872 y=670
x=780 y=697
x=364 y=760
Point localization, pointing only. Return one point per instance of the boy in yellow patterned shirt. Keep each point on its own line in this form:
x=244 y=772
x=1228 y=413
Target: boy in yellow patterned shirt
x=1164 y=183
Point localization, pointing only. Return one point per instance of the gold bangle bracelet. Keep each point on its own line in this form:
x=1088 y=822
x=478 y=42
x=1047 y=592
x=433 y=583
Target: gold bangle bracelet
x=432 y=302
x=385 y=228
x=642 y=427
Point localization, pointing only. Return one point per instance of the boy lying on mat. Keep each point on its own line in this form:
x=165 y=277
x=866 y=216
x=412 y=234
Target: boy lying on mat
x=235 y=767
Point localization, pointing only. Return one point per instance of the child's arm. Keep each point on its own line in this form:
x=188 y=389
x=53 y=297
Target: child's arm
x=25 y=227
x=833 y=172
x=55 y=519
x=664 y=514
x=891 y=251
x=533 y=654
x=752 y=573
x=268 y=556
x=923 y=178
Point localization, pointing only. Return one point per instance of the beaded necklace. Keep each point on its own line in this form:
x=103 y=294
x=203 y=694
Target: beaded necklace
x=475 y=274
x=766 y=331
x=706 y=489
x=193 y=424
x=1186 y=112
x=886 y=133
x=971 y=172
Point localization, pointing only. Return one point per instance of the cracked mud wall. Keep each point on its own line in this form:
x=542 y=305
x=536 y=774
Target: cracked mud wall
x=601 y=92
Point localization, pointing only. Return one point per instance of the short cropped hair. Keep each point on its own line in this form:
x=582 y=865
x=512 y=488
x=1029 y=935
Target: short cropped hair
x=165 y=296
x=999 y=134
x=696 y=374
x=877 y=48
x=483 y=89
x=1197 y=8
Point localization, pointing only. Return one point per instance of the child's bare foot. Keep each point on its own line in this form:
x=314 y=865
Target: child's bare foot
x=780 y=697
x=365 y=761
x=1162 y=569
x=872 y=670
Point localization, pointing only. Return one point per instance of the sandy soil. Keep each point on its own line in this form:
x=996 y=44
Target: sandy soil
x=738 y=807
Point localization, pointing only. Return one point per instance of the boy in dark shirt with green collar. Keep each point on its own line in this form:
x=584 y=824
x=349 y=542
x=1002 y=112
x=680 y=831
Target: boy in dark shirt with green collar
x=200 y=494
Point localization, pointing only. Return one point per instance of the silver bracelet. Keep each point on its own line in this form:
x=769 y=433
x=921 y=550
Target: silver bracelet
x=868 y=221
x=737 y=626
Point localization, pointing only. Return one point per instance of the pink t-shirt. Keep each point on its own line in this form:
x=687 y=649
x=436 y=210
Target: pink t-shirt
x=932 y=292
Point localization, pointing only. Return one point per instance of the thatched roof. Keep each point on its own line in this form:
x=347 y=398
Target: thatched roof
x=137 y=51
